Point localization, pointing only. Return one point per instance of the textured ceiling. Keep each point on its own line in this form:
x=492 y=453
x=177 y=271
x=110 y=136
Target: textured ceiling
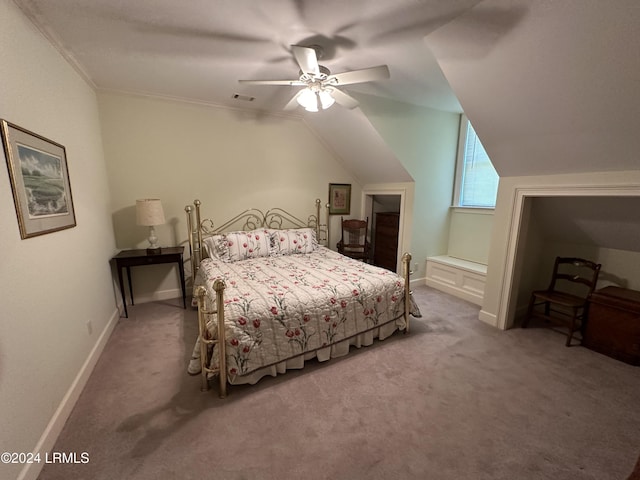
x=553 y=87
x=609 y=222
x=199 y=49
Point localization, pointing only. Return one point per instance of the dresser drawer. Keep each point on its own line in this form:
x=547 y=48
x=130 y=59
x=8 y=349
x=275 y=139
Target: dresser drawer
x=391 y=220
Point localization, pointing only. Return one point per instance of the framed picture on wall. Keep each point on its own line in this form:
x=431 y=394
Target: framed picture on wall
x=339 y=198
x=39 y=181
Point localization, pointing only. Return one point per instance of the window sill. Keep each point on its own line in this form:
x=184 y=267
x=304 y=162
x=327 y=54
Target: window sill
x=474 y=210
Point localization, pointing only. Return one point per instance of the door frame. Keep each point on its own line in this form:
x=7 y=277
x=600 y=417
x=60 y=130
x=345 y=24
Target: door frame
x=365 y=204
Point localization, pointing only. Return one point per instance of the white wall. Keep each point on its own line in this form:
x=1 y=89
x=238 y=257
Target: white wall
x=51 y=284
x=425 y=141
x=505 y=268
x=619 y=267
x=229 y=159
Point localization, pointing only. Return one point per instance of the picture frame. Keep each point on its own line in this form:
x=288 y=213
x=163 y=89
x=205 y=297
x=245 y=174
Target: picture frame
x=39 y=180
x=339 y=198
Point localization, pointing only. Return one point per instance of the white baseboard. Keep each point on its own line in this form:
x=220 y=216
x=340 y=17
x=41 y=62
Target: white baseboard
x=53 y=429
x=490 y=318
x=159 y=295
x=455 y=291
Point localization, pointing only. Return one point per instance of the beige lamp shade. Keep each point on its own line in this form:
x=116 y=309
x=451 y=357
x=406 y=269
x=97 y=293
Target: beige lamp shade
x=149 y=212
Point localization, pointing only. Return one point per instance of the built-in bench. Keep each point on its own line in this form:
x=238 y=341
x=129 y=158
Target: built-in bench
x=461 y=278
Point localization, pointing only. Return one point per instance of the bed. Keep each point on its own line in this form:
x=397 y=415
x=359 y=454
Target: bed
x=286 y=298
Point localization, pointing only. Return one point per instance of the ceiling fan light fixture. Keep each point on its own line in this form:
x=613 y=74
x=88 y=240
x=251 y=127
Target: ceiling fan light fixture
x=326 y=100
x=312 y=100
x=307 y=99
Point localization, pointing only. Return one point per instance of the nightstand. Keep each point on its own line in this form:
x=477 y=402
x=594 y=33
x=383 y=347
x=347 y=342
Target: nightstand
x=135 y=258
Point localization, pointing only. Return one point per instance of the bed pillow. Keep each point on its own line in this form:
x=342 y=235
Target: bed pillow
x=299 y=240
x=244 y=245
x=216 y=247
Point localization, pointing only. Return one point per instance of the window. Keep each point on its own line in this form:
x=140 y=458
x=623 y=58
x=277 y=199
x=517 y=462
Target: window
x=476 y=179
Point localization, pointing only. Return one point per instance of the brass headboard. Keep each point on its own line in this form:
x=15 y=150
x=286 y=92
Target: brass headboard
x=250 y=219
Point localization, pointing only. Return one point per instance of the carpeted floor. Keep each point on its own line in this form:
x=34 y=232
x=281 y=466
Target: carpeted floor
x=455 y=399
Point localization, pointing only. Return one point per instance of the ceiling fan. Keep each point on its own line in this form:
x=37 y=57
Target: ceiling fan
x=321 y=90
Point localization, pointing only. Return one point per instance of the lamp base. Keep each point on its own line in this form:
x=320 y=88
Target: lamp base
x=153 y=251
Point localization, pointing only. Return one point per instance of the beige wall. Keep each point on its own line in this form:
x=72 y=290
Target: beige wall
x=505 y=268
x=619 y=267
x=51 y=285
x=229 y=159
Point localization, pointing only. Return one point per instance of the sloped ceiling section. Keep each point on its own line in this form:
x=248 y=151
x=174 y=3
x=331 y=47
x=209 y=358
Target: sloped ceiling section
x=551 y=86
x=350 y=135
x=609 y=222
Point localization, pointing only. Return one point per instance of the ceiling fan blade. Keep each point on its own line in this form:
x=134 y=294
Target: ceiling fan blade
x=372 y=74
x=307 y=59
x=273 y=82
x=343 y=99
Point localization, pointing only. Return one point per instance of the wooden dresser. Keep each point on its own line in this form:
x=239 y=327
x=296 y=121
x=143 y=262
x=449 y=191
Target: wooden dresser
x=613 y=324
x=385 y=249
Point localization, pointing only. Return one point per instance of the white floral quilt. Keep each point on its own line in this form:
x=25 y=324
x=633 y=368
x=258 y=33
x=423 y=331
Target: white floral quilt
x=279 y=307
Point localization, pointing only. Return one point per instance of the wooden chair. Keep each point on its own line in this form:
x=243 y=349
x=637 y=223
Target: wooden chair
x=565 y=301
x=354 y=242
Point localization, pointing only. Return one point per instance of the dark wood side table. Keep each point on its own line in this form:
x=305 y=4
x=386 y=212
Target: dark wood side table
x=134 y=258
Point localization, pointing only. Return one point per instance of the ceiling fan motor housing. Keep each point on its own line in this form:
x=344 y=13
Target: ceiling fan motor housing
x=310 y=78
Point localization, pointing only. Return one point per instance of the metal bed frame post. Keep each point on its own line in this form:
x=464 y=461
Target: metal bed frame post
x=195 y=250
x=193 y=227
x=406 y=264
x=318 y=225
x=206 y=340
x=189 y=209
x=198 y=250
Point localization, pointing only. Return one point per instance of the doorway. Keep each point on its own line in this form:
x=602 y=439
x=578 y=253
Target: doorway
x=384 y=211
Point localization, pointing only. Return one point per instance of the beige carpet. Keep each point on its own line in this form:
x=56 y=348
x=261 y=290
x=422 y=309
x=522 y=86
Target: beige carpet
x=456 y=399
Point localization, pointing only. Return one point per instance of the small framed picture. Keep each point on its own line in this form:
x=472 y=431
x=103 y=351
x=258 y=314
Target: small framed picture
x=339 y=198
x=39 y=180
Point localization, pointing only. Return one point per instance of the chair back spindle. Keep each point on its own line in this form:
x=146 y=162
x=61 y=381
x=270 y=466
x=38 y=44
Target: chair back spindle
x=354 y=242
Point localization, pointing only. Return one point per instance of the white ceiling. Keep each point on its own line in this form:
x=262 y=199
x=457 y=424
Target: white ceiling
x=609 y=222
x=556 y=89
x=199 y=49
x=551 y=86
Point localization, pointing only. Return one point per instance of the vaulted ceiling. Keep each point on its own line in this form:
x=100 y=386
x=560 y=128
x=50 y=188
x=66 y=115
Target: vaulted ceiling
x=551 y=86
x=198 y=50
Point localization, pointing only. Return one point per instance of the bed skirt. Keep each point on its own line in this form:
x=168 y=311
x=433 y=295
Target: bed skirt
x=339 y=349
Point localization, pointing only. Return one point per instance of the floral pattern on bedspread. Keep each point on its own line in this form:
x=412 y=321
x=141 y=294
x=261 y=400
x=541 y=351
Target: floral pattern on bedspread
x=279 y=307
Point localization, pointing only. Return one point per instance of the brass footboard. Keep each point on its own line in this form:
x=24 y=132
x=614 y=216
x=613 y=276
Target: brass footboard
x=207 y=340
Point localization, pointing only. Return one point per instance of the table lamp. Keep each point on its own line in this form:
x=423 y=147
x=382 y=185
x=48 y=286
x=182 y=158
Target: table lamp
x=149 y=213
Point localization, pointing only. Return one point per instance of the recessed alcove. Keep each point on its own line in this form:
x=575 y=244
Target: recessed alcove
x=600 y=225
